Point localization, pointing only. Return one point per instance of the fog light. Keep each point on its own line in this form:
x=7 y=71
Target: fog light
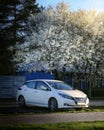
x=65 y=104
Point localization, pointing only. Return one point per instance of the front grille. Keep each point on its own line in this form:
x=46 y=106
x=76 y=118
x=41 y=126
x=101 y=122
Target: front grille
x=80 y=100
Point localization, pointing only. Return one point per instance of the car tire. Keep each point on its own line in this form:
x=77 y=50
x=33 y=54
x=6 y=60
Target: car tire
x=53 y=105
x=21 y=101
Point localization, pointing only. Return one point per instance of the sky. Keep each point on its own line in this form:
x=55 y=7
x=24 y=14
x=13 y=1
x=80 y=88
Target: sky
x=75 y=4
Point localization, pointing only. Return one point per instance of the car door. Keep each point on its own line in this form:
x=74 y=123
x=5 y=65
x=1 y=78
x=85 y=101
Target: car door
x=30 y=92
x=42 y=93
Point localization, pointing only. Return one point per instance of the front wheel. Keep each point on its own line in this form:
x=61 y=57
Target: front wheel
x=21 y=101
x=53 y=106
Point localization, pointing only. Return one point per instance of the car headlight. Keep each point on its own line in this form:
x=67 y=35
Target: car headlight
x=65 y=96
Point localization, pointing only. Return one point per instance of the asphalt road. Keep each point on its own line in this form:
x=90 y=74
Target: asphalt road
x=10 y=113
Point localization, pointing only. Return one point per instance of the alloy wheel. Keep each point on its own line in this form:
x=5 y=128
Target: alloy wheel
x=21 y=101
x=53 y=106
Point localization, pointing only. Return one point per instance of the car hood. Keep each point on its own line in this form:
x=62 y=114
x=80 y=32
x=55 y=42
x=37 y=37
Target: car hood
x=73 y=93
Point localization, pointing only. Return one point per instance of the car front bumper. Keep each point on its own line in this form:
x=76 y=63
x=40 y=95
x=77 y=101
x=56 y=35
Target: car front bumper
x=66 y=103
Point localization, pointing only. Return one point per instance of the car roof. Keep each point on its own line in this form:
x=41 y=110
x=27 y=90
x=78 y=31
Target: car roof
x=47 y=80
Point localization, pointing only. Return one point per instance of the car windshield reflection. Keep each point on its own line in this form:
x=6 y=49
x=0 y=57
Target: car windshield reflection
x=60 y=86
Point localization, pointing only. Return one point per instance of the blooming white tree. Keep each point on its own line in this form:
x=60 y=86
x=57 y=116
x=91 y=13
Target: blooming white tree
x=64 y=40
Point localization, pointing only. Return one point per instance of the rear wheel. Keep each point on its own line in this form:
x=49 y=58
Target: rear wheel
x=21 y=101
x=53 y=106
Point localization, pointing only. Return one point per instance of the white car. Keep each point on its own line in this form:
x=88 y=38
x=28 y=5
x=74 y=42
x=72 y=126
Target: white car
x=53 y=94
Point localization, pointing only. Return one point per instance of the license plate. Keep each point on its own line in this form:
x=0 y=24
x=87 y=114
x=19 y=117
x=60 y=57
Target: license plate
x=80 y=103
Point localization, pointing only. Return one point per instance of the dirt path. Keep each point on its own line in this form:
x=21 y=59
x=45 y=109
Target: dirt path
x=50 y=118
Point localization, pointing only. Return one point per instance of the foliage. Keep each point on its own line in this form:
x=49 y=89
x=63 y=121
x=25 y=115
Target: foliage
x=13 y=27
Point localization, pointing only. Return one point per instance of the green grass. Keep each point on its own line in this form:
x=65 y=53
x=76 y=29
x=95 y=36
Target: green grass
x=90 y=109
x=93 y=109
x=43 y=110
x=59 y=126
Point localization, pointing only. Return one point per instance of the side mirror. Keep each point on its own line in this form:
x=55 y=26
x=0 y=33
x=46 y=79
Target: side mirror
x=45 y=88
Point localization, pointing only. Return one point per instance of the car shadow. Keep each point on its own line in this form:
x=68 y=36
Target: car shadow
x=28 y=110
x=18 y=110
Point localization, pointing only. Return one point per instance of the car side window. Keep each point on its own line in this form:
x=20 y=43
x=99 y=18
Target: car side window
x=41 y=86
x=31 y=84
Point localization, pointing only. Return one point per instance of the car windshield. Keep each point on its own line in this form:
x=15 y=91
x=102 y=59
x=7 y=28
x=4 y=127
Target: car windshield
x=60 y=85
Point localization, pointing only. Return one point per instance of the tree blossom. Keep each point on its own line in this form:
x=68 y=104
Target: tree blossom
x=63 y=39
